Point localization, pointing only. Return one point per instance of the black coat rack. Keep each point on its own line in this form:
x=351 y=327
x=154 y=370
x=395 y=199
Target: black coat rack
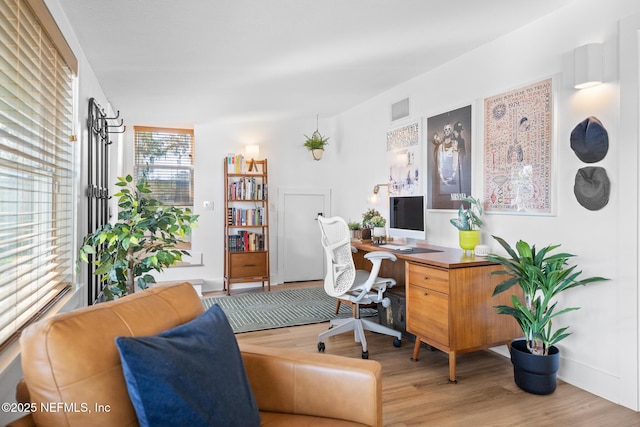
x=99 y=140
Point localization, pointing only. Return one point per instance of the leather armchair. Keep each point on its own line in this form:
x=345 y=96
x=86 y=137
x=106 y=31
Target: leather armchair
x=71 y=359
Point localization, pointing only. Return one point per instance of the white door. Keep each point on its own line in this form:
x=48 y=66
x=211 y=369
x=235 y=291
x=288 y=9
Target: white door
x=301 y=255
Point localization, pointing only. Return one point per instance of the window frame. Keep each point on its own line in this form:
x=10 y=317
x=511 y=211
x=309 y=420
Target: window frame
x=169 y=164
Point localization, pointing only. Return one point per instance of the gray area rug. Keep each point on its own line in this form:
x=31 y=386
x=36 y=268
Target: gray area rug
x=279 y=309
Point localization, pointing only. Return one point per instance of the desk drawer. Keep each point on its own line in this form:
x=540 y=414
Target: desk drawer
x=248 y=264
x=429 y=278
x=428 y=314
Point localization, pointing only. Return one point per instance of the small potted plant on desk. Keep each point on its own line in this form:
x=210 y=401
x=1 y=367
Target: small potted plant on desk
x=468 y=223
x=541 y=277
x=355 y=227
x=367 y=226
x=379 y=232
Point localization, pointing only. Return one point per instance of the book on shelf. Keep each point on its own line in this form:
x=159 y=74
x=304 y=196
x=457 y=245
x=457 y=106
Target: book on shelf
x=247 y=188
x=245 y=217
x=246 y=241
x=237 y=164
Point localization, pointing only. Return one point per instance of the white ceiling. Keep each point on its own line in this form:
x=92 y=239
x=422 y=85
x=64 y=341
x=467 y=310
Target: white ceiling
x=163 y=62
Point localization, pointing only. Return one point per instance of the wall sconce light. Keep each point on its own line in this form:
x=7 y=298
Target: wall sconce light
x=374 y=197
x=587 y=66
x=252 y=152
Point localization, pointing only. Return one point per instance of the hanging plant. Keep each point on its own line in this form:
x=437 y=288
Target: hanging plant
x=316 y=142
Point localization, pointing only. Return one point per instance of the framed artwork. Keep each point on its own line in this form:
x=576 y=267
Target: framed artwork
x=448 y=144
x=518 y=129
x=404 y=154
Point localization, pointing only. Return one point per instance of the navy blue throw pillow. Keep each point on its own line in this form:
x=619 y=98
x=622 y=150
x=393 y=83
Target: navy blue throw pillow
x=191 y=375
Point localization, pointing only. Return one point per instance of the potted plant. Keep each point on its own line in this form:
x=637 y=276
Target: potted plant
x=368 y=216
x=315 y=143
x=541 y=277
x=367 y=226
x=354 y=227
x=379 y=232
x=468 y=223
x=378 y=222
x=143 y=239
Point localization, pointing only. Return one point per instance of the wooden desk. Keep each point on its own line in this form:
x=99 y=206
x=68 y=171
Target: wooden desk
x=449 y=299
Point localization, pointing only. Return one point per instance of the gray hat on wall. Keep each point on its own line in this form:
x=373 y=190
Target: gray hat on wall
x=590 y=140
x=592 y=187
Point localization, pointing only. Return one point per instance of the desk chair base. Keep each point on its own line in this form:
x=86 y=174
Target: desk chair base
x=358 y=326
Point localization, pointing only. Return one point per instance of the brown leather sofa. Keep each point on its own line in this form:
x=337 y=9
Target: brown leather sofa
x=70 y=362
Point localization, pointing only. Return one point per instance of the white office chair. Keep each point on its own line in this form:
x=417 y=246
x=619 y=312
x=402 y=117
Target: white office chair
x=343 y=281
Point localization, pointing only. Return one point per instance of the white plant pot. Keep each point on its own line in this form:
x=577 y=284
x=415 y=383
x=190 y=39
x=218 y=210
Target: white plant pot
x=317 y=153
x=379 y=231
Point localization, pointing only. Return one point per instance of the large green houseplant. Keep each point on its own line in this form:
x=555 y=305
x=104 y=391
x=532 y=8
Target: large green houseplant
x=541 y=277
x=144 y=238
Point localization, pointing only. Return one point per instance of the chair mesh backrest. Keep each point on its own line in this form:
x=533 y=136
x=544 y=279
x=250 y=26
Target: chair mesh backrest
x=336 y=241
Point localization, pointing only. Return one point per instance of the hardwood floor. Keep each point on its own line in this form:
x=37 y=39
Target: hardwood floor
x=417 y=393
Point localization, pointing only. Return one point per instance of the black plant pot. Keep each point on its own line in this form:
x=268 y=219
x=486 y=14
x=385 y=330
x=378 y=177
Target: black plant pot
x=532 y=373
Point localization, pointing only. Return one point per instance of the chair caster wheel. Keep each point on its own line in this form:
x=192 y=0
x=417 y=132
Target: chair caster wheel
x=365 y=354
x=397 y=342
x=320 y=346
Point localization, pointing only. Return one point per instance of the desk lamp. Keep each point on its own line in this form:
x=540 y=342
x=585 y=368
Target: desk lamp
x=253 y=152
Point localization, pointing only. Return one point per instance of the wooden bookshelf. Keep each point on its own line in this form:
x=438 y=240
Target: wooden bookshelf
x=246 y=222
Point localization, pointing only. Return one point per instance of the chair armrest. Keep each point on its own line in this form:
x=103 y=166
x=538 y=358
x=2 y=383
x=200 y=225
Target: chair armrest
x=373 y=281
x=22 y=396
x=374 y=255
x=323 y=385
x=22 y=392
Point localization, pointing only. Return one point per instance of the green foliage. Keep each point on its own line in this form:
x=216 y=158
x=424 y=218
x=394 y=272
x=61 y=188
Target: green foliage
x=378 y=221
x=143 y=239
x=316 y=141
x=368 y=216
x=541 y=277
x=468 y=218
x=354 y=225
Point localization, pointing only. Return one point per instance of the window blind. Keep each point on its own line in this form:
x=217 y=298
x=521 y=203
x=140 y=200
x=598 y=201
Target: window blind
x=36 y=168
x=165 y=158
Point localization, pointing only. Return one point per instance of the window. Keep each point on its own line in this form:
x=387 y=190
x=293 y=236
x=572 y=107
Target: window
x=36 y=163
x=165 y=158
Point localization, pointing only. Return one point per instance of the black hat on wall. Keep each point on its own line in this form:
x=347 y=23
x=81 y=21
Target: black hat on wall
x=590 y=140
x=592 y=187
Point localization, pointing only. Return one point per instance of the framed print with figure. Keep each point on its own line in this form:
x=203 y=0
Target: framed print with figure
x=518 y=133
x=448 y=145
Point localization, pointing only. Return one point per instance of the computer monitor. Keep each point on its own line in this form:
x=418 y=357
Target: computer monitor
x=406 y=217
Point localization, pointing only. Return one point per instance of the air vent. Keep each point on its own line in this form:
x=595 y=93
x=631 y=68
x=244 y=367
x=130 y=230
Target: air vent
x=400 y=110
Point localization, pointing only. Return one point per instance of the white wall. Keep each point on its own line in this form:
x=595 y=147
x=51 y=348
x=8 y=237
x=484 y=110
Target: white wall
x=289 y=163
x=590 y=356
x=605 y=240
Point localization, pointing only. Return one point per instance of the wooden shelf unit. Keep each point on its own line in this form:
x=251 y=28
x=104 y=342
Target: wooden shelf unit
x=246 y=225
